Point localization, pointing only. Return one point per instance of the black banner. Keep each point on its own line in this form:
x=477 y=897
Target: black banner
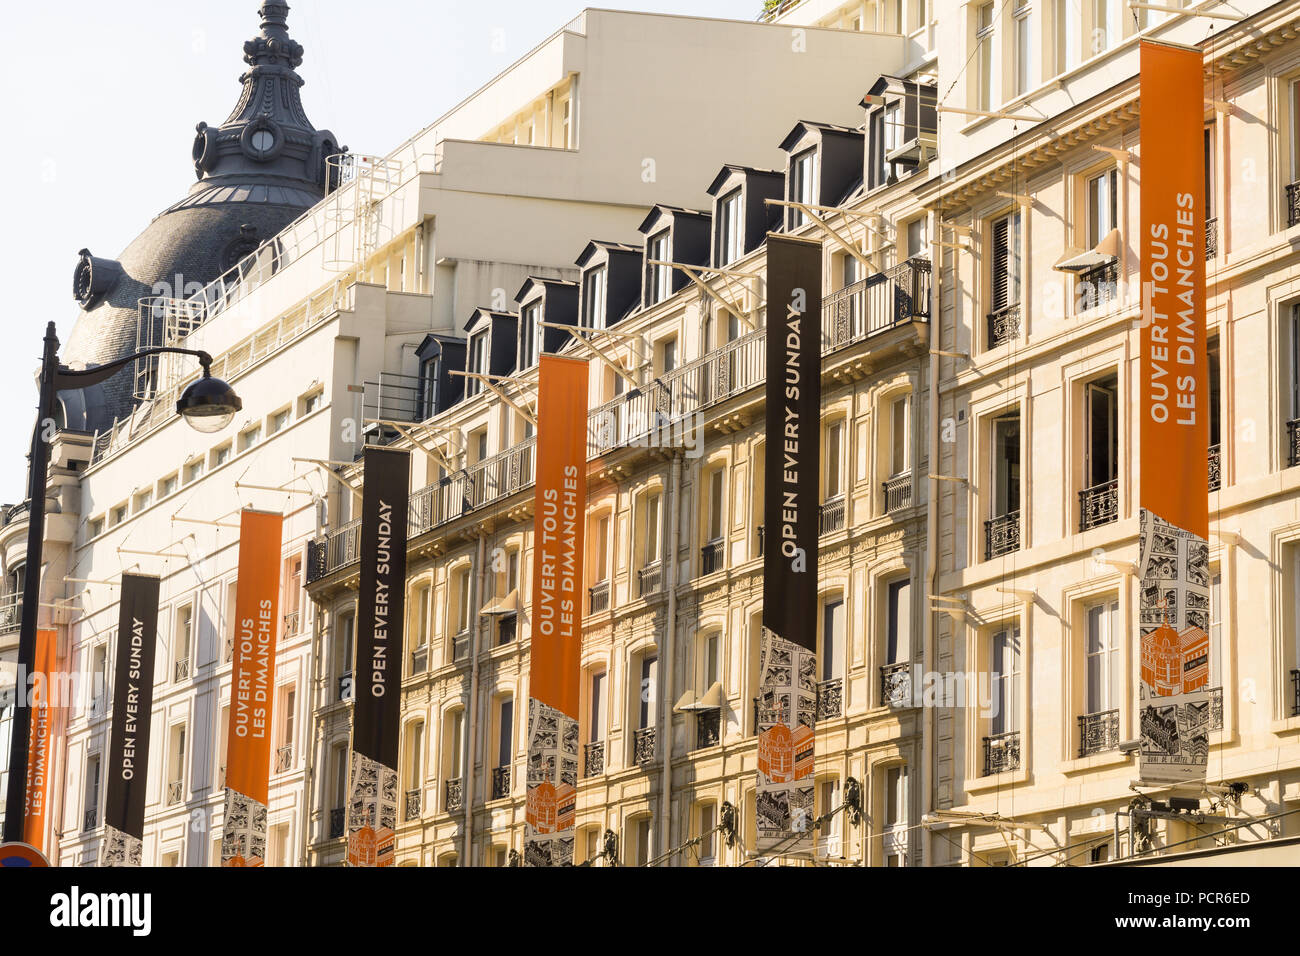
x=791 y=514
x=381 y=605
x=128 y=748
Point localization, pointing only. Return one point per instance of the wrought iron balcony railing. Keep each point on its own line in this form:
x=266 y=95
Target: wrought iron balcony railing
x=1211 y=238
x=11 y=613
x=643 y=745
x=1097 y=286
x=420 y=659
x=500 y=782
x=175 y=790
x=896 y=684
x=345 y=685
x=1099 y=505
x=292 y=620
x=90 y=819
x=599 y=596
x=1001 y=752
x=1001 y=535
x=876 y=304
x=898 y=492
x=593 y=759
x=182 y=669
x=1293 y=443
x=708 y=728
x=1292 y=204
x=412 y=808
x=830 y=698
x=831 y=517
x=1295 y=693
x=1004 y=325
x=284 y=759
x=1098 y=732
x=711 y=557
x=454 y=795
x=650 y=579
x=1215 y=463
x=338 y=821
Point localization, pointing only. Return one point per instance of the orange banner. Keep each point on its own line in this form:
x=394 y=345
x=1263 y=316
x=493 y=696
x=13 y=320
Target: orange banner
x=561 y=496
x=38 y=753
x=248 y=749
x=1175 y=429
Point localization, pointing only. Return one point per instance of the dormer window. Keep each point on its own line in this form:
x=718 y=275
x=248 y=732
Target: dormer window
x=803 y=184
x=902 y=122
x=660 y=276
x=730 y=237
x=594 y=285
x=477 y=362
x=528 y=334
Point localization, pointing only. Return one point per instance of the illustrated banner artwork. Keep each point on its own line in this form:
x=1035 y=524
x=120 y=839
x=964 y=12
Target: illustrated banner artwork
x=558 y=523
x=787 y=692
x=1173 y=556
x=248 y=740
x=128 y=747
x=38 y=750
x=372 y=793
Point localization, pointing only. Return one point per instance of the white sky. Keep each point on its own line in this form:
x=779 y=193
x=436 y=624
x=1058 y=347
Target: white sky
x=101 y=99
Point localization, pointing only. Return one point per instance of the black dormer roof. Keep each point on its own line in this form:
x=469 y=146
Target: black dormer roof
x=622 y=282
x=837 y=160
x=689 y=236
x=559 y=298
x=759 y=218
x=917 y=141
x=501 y=329
x=439 y=389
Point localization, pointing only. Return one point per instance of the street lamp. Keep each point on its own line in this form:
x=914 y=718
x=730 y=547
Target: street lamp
x=207 y=404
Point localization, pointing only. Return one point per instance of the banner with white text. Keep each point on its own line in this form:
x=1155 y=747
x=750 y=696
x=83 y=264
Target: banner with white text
x=1173 y=552
x=252 y=686
x=558 y=588
x=381 y=614
x=39 y=749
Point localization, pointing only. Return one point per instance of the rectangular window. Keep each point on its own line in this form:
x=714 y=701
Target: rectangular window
x=918 y=240
x=1216 y=629
x=667 y=355
x=594 y=284
x=462 y=601
x=895 y=128
x=984 y=22
x=899 y=437
x=505 y=731
x=803 y=184
x=1103 y=205
x=184 y=624
x=221 y=455
x=1066 y=17
x=660 y=277
x=250 y=438
x=1005 y=268
x=1104 y=690
x=1208 y=147
x=1024 y=25
x=602 y=548
x=176 y=765
x=1101 y=411
x=711 y=652
x=596 y=728
x=834 y=440
x=646 y=691
x=715 y=526
x=1293 y=360
x=278 y=422
x=90 y=806
x=1006 y=465
x=423 y=599
x=730 y=241
x=95 y=528
x=651 y=529
x=896 y=816
x=312 y=402
x=143 y=500
x=878 y=171
x=898 y=622
x=708 y=838
x=99 y=680
x=168 y=485
x=566 y=124
x=833 y=639
x=456 y=745
x=1005 y=673
x=528 y=334
x=117 y=515
x=829 y=842
x=194 y=470
x=1216 y=394
x=642 y=841
x=1105 y=25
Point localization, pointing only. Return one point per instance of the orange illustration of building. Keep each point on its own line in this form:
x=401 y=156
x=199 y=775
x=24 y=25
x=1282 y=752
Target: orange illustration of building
x=1174 y=663
x=361 y=848
x=785 y=755
x=541 y=810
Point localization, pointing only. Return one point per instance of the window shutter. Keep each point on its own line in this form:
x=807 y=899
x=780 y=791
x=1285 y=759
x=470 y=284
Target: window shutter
x=1001 y=261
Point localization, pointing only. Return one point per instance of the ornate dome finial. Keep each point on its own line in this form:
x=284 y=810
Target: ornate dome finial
x=273 y=46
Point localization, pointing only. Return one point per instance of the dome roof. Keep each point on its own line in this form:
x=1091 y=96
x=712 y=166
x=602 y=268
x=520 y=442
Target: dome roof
x=257 y=172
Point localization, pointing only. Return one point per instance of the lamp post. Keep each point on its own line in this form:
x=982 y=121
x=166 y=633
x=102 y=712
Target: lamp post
x=207 y=404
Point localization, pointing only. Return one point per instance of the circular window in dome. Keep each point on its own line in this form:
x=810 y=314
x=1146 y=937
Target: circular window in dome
x=262 y=140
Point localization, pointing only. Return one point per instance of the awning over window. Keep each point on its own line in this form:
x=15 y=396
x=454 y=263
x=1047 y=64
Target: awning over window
x=711 y=699
x=1103 y=254
x=507 y=605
